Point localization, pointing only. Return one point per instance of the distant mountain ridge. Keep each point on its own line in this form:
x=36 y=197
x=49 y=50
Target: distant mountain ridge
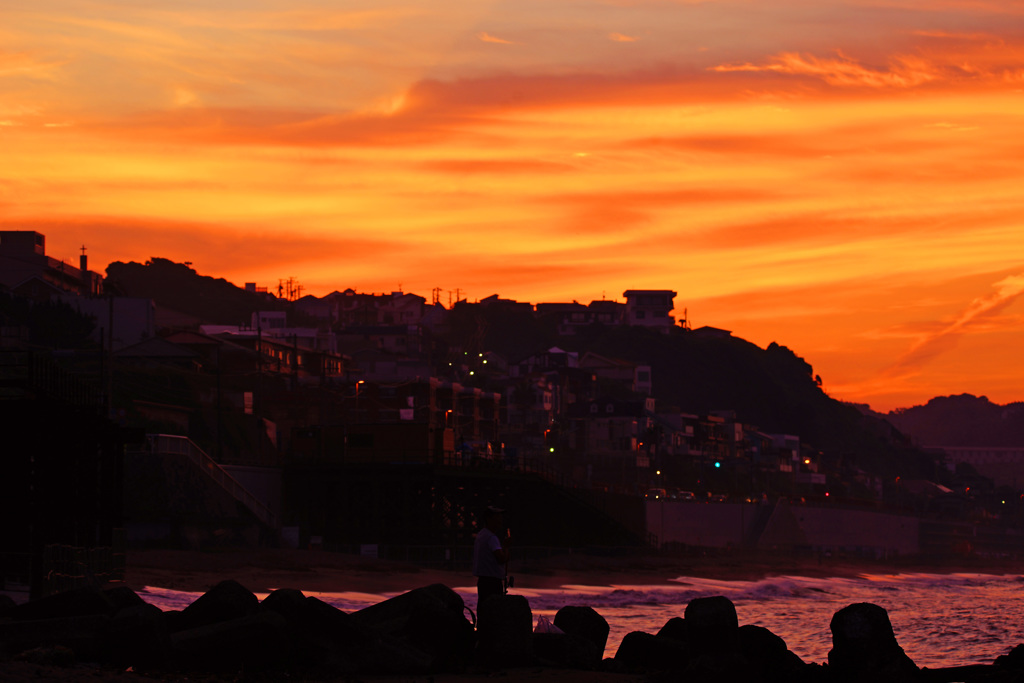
x=964 y=420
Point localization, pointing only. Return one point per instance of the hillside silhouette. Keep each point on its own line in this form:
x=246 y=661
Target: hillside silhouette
x=963 y=420
x=772 y=388
x=177 y=287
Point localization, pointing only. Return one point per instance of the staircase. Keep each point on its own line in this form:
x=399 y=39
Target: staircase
x=168 y=444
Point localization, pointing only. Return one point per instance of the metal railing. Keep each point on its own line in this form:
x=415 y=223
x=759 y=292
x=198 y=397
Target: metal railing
x=169 y=444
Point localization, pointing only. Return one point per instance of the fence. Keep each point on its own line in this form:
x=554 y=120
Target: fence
x=67 y=567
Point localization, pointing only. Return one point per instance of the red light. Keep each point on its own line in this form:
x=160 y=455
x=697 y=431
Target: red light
x=826 y=494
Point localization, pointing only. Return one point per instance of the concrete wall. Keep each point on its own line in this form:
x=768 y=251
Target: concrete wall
x=712 y=525
x=831 y=528
x=262 y=482
x=782 y=526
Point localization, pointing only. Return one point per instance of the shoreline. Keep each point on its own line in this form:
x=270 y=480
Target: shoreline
x=264 y=570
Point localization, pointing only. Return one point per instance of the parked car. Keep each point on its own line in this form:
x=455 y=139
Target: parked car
x=687 y=495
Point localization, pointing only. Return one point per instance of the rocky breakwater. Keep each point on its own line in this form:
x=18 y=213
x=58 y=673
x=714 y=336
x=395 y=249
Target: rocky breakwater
x=428 y=630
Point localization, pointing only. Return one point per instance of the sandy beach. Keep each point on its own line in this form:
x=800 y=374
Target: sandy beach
x=264 y=570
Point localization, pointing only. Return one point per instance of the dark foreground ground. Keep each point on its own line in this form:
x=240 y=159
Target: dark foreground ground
x=317 y=571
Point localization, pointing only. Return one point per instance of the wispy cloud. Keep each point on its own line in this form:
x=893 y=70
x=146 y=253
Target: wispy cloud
x=497 y=166
x=488 y=38
x=23 y=64
x=979 y=312
x=903 y=71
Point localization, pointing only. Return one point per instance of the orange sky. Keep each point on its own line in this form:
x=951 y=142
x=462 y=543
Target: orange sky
x=843 y=178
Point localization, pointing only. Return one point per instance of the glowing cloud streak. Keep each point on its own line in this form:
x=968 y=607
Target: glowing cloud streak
x=825 y=175
x=981 y=309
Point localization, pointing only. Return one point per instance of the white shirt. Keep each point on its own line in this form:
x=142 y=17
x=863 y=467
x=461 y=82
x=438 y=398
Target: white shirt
x=484 y=562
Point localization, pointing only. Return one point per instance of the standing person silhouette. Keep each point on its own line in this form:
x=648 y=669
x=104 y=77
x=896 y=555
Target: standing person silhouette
x=490 y=556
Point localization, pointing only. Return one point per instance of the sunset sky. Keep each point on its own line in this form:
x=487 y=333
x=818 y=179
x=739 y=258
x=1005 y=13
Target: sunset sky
x=843 y=178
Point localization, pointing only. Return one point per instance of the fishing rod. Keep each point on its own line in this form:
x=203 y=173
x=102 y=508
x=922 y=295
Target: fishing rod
x=509 y=581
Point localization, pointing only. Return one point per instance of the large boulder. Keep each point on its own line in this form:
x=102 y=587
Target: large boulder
x=121 y=597
x=137 y=636
x=643 y=652
x=768 y=654
x=674 y=628
x=113 y=625
x=864 y=647
x=82 y=634
x=712 y=626
x=226 y=601
x=565 y=651
x=78 y=602
x=1012 y=660
x=584 y=622
x=505 y=632
x=257 y=640
x=430 y=620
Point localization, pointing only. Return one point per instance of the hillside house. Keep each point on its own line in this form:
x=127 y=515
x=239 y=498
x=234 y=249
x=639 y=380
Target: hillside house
x=650 y=308
x=23 y=260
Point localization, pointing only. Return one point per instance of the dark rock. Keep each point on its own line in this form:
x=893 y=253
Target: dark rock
x=390 y=657
x=81 y=634
x=262 y=639
x=80 y=602
x=971 y=673
x=447 y=636
x=52 y=655
x=711 y=625
x=641 y=651
x=674 y=628
x=584 y=622
x=226 y=601
x=175 y=622
x=7 y=605
x=565 y=651
x=768 y=654
x=137 y=636
x=864 y=647
x=330 y=621
x=505 y=632
x=123 y=596
x=289 y=603
x=391 y=615
x=431 y=620
x=326 y=641
x=713 y=667
x=1012 y=660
